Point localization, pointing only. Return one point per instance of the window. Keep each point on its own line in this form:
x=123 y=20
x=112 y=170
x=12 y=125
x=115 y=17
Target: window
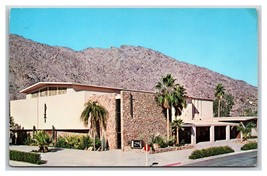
x=35 y=94
x=62 y=90
x=52 y=91
x=43 y=92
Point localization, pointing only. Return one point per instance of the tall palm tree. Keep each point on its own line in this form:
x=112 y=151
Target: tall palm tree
x=179 y=100
x=164 y=96
x=219 y=92
x=177 y=124
x=94 y=116
x=170 y=95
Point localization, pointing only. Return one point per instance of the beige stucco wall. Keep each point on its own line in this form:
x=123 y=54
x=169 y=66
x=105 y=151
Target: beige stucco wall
x=187 y=112
x=148 y=118
x=197 y=109
x=203 y=109
x=63 y=111
x=24 y=112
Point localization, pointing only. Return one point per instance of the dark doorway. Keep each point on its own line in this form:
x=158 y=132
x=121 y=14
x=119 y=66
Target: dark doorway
x=234 y=134
x=220 y=132
x=118 y=122
x=185 y=135
x=203 y=134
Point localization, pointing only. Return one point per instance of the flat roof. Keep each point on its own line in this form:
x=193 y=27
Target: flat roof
x=241 y=118
x=217 y=121
x=81 y=87
x=203 y=123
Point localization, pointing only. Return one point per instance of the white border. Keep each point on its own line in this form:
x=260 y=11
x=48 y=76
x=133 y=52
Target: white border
x=136 y=3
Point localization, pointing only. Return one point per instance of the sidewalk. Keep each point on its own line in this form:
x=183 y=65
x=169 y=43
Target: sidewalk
x=70 y=157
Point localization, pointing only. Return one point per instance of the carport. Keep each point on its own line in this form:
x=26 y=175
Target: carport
x=208 y=131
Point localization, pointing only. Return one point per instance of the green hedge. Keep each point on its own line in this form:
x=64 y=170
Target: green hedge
x=250 y=146
x=34 y=158
x=212 y=151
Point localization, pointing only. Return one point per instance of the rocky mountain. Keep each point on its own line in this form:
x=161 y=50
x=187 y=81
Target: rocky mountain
x=130 y=67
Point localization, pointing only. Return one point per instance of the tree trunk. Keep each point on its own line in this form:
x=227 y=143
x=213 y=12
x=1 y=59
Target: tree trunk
x=94 y=141
x=177 y=135
x=219 y=104
x=168 y=124
x=173 y=114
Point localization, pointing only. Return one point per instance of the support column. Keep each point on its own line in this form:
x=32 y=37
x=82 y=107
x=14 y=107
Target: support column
x=212 y=139
x=193 y=135
x=227 y=132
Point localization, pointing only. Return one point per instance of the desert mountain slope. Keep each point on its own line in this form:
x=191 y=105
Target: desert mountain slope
x=127 y=67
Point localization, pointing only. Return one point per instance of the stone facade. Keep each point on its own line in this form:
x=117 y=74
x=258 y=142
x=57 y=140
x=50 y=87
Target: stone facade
x=142 y=118
x=109 y=102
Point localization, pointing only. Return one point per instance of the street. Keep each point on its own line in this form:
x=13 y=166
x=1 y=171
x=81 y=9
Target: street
x=248 y=159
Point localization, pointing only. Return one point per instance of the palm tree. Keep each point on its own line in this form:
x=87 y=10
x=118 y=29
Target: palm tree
x=177 y=124
x=94 y=116
x=246 y=129
x=170 y=95
x=42 y=139
x=219 y=92
x=164 y=96
x=179 y=100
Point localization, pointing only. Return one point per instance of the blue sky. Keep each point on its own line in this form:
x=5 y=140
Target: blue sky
x=223 y=40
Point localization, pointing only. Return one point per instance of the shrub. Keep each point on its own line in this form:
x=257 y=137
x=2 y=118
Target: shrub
x=34 y=158
x=159 y=140
x=97 y=143
x=29 y=140
x=212 y=151
x=85 y=142
x=76 y=142
x=250 y=146
x=42 y=139
x=61 y=142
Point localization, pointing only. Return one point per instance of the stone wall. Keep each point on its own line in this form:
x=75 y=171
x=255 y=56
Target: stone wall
x=109 y=102
x=147 y=120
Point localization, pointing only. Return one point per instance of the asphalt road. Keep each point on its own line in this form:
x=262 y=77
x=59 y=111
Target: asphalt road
x=248 y=159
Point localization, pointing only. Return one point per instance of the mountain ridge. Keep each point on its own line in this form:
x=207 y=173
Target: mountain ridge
x=129 y=67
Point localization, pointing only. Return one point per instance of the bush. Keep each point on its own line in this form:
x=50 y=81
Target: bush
x=34 y=158
x=159 y=140
x=29 y=140
x=85 y=142
x=76 y=142
x=250 y=146
x=43 y=140
x=212 y=151
x=97 y=143
x=61 y=142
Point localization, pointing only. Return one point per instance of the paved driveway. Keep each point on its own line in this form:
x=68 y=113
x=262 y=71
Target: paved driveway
x=135 y=158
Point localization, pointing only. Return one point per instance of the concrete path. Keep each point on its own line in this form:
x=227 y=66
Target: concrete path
x=135 y=158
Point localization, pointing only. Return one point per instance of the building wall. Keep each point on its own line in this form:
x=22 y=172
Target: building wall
x=197 y=109
x=147 y=119
x=109 y=102
x=202 y=109
x=187 y=113
x=63 y=111
x=24 y=112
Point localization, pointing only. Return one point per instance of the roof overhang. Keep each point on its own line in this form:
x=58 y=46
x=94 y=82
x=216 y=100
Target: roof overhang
x=75 y=86
x=233 y=121
x=86 y=87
